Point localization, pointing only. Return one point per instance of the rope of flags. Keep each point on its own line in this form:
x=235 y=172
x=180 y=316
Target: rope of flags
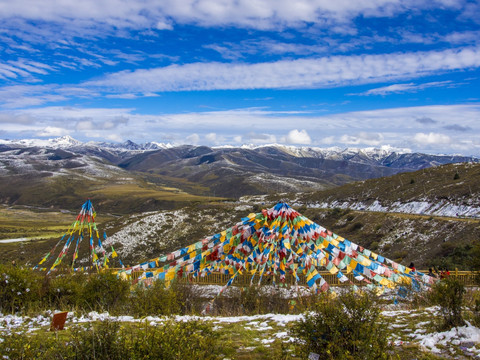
x=83 y=226
x=275 y=242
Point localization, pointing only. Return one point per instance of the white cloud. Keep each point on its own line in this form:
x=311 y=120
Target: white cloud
x=404 y=88
x=114 y=137
x=302 y=73
x=259 y=138
x=126 y=96
x=17 y=96
x=85 y=125
x=260 y=14
x=52 y=131
x=193 y=139
x=163 y=25
x=298 y=137
x=327 y=140
x=211 y=137
x=432 y=139
x=363 y=138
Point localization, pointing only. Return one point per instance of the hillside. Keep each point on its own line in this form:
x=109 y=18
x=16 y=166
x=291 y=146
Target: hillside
x=59 y=178
x=447 y=190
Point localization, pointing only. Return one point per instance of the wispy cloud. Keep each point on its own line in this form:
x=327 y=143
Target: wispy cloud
x=23 y=68
x=405 y=88
x=22 y=96
x=302 y=73
x=244 y=13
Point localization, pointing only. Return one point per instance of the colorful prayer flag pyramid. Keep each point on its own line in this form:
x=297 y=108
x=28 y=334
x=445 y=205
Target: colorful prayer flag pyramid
x=84 y=225
x=275 y=242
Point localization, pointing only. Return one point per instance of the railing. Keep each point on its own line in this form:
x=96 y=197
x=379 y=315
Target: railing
x=468 y=278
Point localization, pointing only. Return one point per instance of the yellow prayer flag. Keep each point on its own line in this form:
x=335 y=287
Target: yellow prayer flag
x=333 y=270
x=353 y=264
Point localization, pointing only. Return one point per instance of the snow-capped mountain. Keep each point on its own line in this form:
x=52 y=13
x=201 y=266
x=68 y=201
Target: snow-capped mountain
x=383 y=156
x=223 y=171
x=56 y=143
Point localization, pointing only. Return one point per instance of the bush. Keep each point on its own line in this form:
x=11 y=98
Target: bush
x=254 y=300
x=65 y=290
x=20 y=288
x=157 y=300
x=104 y=292
x=346 y=327
x=449 y=295
x=356 y=226
x=109 y=340
x=473 y=305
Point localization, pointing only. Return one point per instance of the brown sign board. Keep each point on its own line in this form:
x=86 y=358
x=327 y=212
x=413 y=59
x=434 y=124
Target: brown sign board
x=58 y=321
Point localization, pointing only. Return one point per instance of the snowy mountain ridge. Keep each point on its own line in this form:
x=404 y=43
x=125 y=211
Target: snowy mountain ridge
x=361 y=155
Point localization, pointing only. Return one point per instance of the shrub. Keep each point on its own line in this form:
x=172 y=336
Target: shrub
x=473 y=305
x=65 y=291
x=158 y=300
x=151 y=300
x=109 y=340
x=356 y=226
x=104 y=292
x=254 y=300
x=346 y=327
x=449 y=295
x=20 y=288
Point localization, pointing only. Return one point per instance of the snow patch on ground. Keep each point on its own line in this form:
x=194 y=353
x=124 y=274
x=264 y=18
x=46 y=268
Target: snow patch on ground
x=273 y=326
x=467 y=335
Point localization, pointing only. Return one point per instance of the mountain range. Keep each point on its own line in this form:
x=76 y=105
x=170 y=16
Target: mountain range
x=51 y=170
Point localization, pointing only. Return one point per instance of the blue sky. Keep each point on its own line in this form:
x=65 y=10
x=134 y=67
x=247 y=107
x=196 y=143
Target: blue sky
x=376 y=73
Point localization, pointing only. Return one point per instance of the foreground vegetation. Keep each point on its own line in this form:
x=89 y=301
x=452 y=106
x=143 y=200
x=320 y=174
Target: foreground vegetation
x=346 y=325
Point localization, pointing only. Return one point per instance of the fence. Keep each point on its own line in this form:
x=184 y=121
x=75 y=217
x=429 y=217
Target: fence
x=468 y=278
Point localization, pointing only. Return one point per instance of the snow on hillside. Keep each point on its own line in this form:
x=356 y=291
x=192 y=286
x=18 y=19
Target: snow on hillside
x=286 y=184
x=21 y=161
x=162 y=229
x=440 y=208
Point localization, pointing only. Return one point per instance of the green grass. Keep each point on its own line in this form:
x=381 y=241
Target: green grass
x=140 y=192
x=242 y=341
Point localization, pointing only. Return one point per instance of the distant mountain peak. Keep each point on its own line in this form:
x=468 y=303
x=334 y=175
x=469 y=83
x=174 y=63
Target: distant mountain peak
x=65 y=141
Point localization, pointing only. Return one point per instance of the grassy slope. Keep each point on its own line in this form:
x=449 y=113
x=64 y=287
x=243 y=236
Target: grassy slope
x=429 y=184
x=119 y=196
